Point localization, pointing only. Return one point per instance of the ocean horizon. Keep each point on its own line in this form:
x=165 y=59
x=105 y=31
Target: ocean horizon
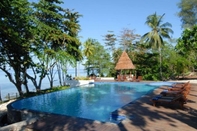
x=6 y=87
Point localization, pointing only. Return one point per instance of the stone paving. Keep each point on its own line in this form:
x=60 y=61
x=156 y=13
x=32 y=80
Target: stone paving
x=3 y=107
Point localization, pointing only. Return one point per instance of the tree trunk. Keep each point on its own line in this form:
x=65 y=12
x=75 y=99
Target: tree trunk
x=76 y=70
x=25 y=81
x=160 y=60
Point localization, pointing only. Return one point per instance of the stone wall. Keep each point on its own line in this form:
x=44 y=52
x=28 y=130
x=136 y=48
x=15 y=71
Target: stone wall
x=14 y=115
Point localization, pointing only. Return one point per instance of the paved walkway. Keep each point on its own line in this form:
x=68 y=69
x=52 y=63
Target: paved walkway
x=142 y=117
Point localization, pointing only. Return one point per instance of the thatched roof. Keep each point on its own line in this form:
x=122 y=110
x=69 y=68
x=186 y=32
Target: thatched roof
x=124 y=62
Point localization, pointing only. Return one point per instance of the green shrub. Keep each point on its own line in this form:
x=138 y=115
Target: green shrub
x=81 y=78
x=49 y=90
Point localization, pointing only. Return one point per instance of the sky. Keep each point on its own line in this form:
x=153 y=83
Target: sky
x=101 y=16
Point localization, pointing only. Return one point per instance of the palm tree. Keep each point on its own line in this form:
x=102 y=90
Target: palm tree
x=159 y=30
x=88 y=49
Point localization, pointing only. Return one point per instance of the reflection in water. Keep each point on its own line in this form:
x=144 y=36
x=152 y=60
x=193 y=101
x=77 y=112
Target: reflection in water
x=95 y=102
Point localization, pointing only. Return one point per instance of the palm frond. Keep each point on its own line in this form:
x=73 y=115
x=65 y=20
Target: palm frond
x=159 y=31
x=159 y=19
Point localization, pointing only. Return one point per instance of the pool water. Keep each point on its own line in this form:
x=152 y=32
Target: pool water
x=95 y=101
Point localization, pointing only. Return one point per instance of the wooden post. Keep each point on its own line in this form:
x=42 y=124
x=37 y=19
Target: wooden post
x=16 y=95
x=0 y=95
x=8 y=96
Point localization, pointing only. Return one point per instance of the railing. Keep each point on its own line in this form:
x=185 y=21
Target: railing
x=8 y=97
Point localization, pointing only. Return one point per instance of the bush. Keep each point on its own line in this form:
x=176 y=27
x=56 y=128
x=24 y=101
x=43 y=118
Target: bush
x=81 y=78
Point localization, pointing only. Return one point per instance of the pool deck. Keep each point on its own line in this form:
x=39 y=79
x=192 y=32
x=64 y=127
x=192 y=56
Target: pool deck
x=142 y=116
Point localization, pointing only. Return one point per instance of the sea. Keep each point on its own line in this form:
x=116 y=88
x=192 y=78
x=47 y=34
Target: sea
x=8 y=89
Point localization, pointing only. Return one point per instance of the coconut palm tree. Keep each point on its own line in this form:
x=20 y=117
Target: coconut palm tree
x=159 y=30
x=88 y=49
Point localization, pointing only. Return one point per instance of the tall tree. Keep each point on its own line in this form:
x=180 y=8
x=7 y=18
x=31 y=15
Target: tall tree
x=47 y=38
x=15 y=32
x=72 y=30
x=188 y=11
x=128 y=39
x=173 y=63
x=110 y=42
x=89 y=49
x=57 y=30
x=159 y=30
x=34 y=37
x=187 y=46
x=99 y=61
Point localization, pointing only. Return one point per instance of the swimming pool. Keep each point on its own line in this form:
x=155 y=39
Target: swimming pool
x=95 y=101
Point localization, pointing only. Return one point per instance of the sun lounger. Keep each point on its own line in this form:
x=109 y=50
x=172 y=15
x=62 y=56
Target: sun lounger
x=174 y=91
x=184 y=87
x=121 y=78
x=179 y=85
x=139 y=78
x=134 y=79
x=124 y=78
x=118 y=78
x=172 y=99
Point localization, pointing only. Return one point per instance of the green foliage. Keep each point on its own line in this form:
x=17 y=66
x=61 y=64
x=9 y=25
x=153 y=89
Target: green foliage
x=187 y=46
x=15 y=32
x=88 y=47
x=110 y=41
x=154 y=38
x=188 y=40
x=173 y=63
x=147 y=65
x=158 y=31
x=34 y=37
x=99 y=62
x=188 y=11
x=81 y=78
x=45 y=91
x=72 y=28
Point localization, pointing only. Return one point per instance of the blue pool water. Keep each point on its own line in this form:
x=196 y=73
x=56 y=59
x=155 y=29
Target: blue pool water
x=95 y=101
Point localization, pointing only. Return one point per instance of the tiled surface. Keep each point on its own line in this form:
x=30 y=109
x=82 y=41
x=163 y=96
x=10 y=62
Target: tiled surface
x=144 y=117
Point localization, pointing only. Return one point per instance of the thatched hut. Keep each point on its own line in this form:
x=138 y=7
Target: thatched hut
x=124 y=62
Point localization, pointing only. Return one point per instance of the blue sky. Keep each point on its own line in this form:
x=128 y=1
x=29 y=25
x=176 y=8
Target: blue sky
x=102 y=16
